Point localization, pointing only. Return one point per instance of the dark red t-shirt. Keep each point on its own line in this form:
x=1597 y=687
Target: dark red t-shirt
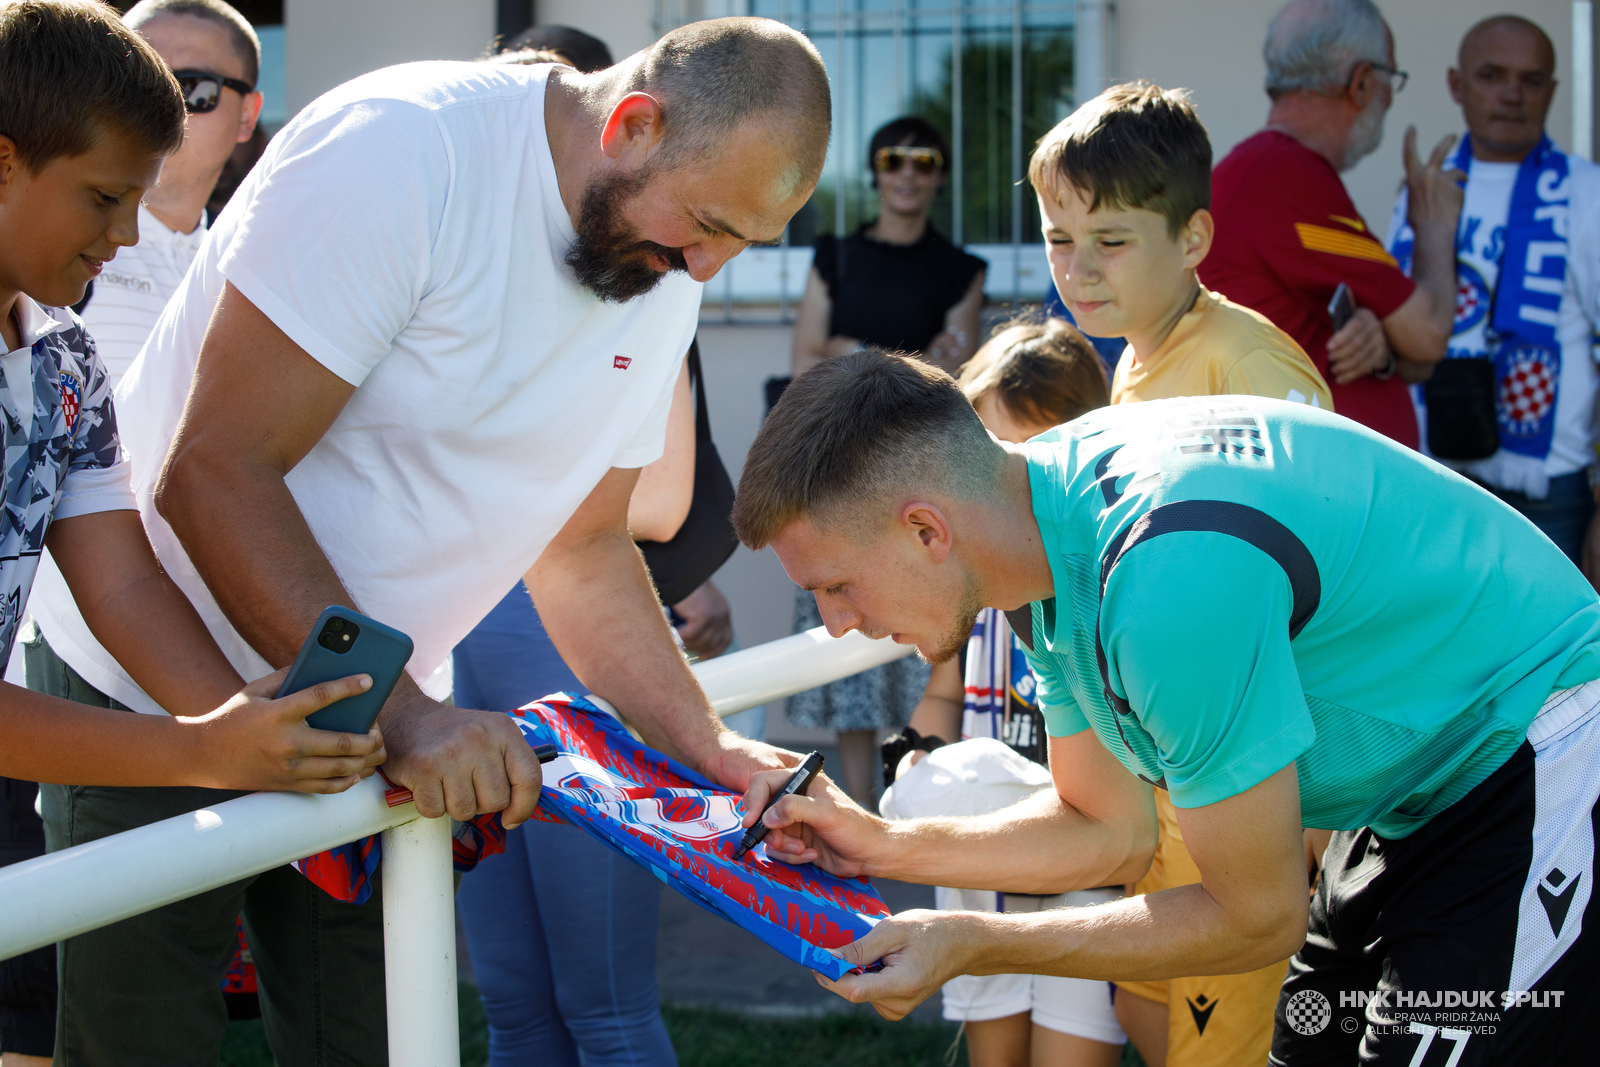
x=1287 y=235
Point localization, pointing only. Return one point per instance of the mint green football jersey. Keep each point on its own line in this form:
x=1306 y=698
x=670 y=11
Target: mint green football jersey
x=1244 y=583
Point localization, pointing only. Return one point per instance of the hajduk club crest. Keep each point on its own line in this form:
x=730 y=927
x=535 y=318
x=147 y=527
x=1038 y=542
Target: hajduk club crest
x=1472 y=298
x=1527 y=388
x=71 y=400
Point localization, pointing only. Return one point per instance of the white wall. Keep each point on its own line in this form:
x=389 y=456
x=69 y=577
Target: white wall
x=331 y=41
x=1215 y=49
x=737 y=361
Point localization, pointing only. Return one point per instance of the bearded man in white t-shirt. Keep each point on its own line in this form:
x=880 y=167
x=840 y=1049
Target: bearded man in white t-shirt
x=432 y=339
x=1512 y=405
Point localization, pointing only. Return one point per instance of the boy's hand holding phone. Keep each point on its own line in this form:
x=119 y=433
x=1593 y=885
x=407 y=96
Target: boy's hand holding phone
x=257 y=742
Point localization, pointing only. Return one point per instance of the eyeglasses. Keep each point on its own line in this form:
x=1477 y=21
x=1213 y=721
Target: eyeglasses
x=202 y=90
x=1397 y=78
x=922 y=160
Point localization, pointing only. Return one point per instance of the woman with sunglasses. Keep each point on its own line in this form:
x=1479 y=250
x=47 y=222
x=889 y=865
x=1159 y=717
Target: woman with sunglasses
x=896 y=282
x=899 y=284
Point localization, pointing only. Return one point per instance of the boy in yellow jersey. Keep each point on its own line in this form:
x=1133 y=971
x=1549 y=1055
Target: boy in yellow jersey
x=1124 y=188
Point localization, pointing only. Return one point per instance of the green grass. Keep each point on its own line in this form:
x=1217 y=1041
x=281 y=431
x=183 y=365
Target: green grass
x=246 y=1042
x=712 y=1037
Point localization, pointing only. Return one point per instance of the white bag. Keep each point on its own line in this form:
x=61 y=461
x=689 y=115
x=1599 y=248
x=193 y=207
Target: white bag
x=972 y=777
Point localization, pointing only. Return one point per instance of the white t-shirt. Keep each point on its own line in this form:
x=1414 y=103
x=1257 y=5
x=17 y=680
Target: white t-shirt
x=134 y=288
x=407 y=231
x=1480 y=243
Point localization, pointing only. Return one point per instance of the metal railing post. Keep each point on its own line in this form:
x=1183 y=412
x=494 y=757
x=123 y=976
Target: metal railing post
x=419 y=945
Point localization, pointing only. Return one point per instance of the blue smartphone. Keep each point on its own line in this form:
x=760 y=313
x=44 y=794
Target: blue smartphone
x=345 y=642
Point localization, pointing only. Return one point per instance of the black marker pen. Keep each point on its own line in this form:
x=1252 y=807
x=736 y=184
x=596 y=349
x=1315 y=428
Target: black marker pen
x=798 y=782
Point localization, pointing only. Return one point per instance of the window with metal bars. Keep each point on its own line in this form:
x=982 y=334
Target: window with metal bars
x=992 y=76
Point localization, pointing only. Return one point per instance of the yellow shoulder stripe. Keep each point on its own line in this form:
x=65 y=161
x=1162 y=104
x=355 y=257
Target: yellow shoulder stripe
x=1354 y=224
x=1340 y=243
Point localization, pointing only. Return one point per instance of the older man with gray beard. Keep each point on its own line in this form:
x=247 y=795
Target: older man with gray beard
x=1288 y=234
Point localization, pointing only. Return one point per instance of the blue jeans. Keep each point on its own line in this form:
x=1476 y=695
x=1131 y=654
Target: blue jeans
x=562 y=930
x=1563 y=515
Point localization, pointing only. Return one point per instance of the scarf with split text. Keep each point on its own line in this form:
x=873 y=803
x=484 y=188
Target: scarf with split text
x=1526 y=306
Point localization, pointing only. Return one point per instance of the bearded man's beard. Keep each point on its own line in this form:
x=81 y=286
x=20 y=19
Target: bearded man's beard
x=608 y=257
x=1366 y=133
x=956 y=638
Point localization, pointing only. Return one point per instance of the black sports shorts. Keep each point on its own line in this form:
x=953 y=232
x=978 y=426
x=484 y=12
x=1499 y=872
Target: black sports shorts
x=1473 y=940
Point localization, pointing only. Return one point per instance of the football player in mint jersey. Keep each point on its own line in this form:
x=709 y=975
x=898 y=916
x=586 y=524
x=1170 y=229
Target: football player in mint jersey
x=1280 y=617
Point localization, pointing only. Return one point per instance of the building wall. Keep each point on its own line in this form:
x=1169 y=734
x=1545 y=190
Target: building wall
x=331 y=41
x=1215 y=50
x=626 y=26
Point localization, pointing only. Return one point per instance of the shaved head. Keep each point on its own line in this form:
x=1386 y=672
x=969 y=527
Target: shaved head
x=1504 y=80
x=717 y=74
x=1500 y=29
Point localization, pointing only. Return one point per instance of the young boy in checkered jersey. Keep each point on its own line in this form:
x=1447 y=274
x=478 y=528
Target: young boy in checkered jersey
x=1026 y=379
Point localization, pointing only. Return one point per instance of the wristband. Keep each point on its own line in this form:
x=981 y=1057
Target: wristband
x=1387 y=372
x=896 y=746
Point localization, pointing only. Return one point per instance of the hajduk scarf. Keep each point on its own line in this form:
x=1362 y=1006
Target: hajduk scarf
x=1521 y=336
x=664 y=816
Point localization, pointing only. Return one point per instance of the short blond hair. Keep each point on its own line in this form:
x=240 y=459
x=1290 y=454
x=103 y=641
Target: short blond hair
x=849 y=435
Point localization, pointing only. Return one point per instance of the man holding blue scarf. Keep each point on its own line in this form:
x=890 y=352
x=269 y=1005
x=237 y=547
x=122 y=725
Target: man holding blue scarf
x=1512 y=405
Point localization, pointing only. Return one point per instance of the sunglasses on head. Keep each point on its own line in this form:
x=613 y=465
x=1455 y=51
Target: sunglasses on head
x=922 y=160
x=202 y=90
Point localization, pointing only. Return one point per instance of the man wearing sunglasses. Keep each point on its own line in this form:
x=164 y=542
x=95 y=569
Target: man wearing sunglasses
x=216 y=56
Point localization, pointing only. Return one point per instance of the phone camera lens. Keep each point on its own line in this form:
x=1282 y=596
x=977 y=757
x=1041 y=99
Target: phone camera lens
x=338 y=635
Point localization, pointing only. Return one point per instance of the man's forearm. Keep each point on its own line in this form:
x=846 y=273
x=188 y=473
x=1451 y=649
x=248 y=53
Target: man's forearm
x=1170 y=934
x=595 y=601
x=245 y=534
x=1039 y=845
x=1434 y=271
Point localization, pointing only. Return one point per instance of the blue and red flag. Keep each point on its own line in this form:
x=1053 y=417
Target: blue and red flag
x=661 y=814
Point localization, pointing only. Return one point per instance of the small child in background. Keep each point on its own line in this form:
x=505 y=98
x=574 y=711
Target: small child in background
x=1025 y=380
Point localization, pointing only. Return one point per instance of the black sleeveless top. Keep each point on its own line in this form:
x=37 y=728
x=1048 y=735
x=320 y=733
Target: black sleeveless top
x=893 y=296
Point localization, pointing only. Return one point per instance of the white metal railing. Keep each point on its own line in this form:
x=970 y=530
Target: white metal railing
x=70 y=892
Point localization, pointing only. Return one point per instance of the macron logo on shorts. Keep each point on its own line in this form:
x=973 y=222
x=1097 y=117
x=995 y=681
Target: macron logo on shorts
x=621 y=362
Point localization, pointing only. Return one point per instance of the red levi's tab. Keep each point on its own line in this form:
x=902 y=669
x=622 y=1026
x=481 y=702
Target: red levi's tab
x=621 y=362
